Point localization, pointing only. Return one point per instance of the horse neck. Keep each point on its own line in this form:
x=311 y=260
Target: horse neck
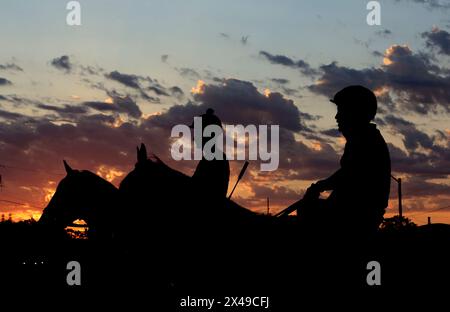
x=103 y=200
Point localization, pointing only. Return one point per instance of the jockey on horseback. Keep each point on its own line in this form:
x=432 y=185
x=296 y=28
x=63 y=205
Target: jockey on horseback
x=360 y=188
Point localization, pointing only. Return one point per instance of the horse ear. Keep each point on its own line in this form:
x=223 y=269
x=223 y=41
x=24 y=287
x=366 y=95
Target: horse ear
x=69 y=170
x=142 y=153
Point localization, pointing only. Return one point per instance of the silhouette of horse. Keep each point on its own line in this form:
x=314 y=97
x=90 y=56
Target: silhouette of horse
x=83 y=195
x=172 y=194
x=184 y=236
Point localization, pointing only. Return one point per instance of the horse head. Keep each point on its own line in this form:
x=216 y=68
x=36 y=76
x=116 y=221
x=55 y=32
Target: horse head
x=148 y=174
x=81 y=195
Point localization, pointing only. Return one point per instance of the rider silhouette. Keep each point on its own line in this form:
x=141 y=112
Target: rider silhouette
x=211 y=177
x=360 y=187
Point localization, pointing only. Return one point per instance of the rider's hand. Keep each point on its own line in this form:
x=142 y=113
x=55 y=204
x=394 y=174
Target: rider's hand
x=313 y=192
x=320 y=185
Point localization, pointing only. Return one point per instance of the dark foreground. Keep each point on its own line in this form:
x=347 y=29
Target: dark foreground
x=265 y=261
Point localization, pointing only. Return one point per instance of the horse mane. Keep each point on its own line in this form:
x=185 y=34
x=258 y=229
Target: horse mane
x=98 y=179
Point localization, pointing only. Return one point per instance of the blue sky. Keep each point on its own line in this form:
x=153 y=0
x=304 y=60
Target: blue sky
x=132 y=36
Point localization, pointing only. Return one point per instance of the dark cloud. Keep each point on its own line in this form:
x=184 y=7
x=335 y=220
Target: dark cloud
x=158 y=90
x=119 y=105
x=87 y=142
x=65 y=109
x=19 y=101
x=140 y=84
x=90 y=70
x=413 y=138
x=289 y=91
x=302 y=162
x=5 y=82
x=332 y=133
x=335 y=77
x=416 y=186
x=281 y=81
x=238 y=101
x=383 y=33
x=131 y=81
x=377 y=53
x=90 y=141
x=176 y=92
x=164 y=58
x=188 y=73
x=10 y=66
x=423 y=160
x=278 y=59
x=439 y=39
x=62 y=63
x=10 y=115
x=419 y=85
x=149 y=98
x=304 y=67
x=281 y=85
x=424 y=155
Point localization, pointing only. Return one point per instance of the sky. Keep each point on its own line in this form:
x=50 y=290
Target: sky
x=132 y=70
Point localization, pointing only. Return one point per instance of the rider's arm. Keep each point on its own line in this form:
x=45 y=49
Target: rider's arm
x=331 y=182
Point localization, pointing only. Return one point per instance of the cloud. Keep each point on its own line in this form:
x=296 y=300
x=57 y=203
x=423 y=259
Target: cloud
x=10 y=115
x=158 y=90
x=164 y=58
x=335 y=77
x=278 y=59
x=426 y=155
x=439 y=39
x=412 y=137
x=304 y=67
x=10 y=66
x=87 y=142
x=62 y=63
x=119 y=105
x=5 y=82
x=131 y=81
x=281 y=81
x=176 y=92
x=188 y=73
x=417 y=186
x=90 y=141
x=383 y=33
x=377 y=54
x=332 y=133
x=238 y=101
x=417 y=84
x=90 y=70
x=66 y=109
x=143 y=85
